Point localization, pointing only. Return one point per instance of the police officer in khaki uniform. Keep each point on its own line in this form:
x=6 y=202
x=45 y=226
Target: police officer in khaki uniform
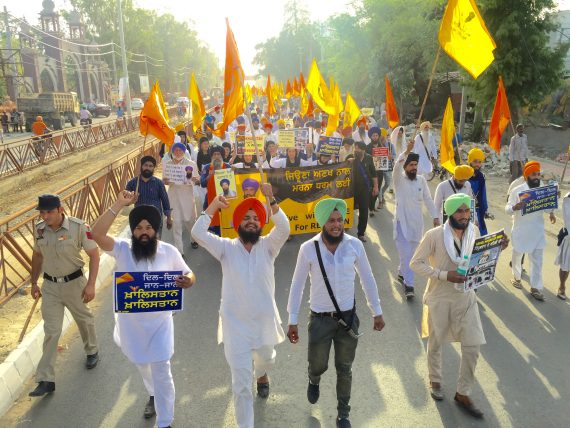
x=57 y=253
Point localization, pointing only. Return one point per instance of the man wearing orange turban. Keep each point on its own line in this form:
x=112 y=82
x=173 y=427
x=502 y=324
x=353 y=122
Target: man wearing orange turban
x=528 y=231
x=250 y=325
x=360 y=134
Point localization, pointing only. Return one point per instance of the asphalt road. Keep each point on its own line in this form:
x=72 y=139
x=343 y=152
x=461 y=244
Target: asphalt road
x=523 y=376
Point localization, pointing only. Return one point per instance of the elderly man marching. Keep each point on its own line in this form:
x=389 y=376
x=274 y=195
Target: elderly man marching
x=250 y=325
x=528 y=232
x=331 y=259
x=411 y=190
x=457 y=184
x=449 y=313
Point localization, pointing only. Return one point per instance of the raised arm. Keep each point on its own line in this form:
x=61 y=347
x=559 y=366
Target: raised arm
x=104 y=222
x=213 y=243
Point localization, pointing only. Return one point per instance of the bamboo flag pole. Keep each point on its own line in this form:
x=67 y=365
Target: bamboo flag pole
x=427 y=91
x=142 y=155
x=27 y=323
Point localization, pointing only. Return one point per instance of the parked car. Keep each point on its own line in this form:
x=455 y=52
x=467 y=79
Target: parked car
x=137 y=104
x=99 y=109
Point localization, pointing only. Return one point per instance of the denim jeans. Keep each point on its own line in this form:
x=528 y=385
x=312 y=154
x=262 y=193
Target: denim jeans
x=324 y=331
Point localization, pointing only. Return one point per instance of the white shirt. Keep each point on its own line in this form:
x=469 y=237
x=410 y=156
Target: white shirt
x=341 y=267
x=444 y=190
x=527 y=233
x=356 y=137
x=146 y=337
x=309 y=162
x=424 y=164
x=249 y=318
x=518 y=148
x=409 y=197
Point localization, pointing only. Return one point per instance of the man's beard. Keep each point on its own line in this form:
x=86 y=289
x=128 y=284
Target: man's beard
x=249 y=237
x=144 y=250
x=412 y=174
x=332 y=239
x=146 y=173
x=458 y=185
x=533 y=183
x=456 y=225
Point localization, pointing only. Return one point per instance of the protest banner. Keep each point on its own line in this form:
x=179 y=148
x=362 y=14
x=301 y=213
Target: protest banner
x=483 y=260
x=329 y=145
x=367 y=111
x=244 y=144
x=539 y=199
x=225 y=183
x=286 y=139
x=301 y=138
x=176 y=173
x=297 y=190
x=147 y=292
x=380 y=158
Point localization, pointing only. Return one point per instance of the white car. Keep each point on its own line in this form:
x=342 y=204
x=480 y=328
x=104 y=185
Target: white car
x=137 y=104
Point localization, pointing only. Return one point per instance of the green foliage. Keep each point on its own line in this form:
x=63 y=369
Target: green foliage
x=161 y=37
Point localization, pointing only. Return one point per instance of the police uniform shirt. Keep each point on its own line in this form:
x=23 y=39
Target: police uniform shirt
x=61 y=248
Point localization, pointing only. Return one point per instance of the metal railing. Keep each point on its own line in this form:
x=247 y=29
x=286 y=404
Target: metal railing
x=21 y=155
x=86 y=198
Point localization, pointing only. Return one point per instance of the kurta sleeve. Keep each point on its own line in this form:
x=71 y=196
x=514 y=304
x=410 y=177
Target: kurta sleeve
x=420 y=261
x=398 y=170
x=213 y=243
x=279 y=234
x=513 y=200
x=298 y=283
x=428 y=201
x=367 y=281
x=438 y=200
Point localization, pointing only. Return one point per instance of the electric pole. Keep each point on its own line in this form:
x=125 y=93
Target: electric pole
x=124 y=58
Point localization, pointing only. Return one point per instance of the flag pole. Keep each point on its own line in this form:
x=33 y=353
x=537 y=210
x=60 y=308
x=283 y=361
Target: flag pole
x=142 y=155
x=428 y=89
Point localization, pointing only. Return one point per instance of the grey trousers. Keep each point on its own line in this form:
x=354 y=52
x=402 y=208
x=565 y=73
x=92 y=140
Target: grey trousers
x=324 y=331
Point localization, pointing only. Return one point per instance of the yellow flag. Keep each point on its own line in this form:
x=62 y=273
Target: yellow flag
x=334 y=119
x=464 y=36
x=162 y=103
x=351 y=111
x=446 y=154
x=304 y=102
x=198 y=109
x=269 y=94
x=248 y=96
x=319 y=91
x=152 y=120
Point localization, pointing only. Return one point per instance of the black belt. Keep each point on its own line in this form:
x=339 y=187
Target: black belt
x=65 y=278
x=333 y=314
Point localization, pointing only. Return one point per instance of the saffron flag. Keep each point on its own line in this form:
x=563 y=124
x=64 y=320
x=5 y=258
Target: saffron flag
x=268 y=93
x=351 y=111
x=233 y=84
x=162 y=103
x=446 y=153
x=464 y=36
x=198 y=109
x=320 y=92
x=296 y=89
x=288 y=90
x=391 y=110
x=500 y=119
x=152 y=120
x=301 y=80
x=304 y=103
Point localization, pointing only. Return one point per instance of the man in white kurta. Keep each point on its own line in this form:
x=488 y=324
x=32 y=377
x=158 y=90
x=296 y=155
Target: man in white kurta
x=459 y=183
x=412 y=192
x=450 y=314
x=181 y=195
x=250 y=325
x=424 y=145
x=146 y=339
x=528 y=234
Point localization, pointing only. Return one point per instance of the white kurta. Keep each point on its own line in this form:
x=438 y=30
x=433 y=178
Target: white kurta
x=528 y=230
x=181 y=196
x=249 y=318
x=563 y=254
x=410 y=194
x=146 y=337
x=424 y=164
x=356 y=137
x=444 y=190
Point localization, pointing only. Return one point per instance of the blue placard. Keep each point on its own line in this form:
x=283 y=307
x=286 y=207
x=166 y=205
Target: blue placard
x=147 y=292
x=539 y=199
x=329 y=145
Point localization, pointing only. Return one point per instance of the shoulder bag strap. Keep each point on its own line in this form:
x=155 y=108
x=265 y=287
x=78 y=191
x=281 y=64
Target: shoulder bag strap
x=324 y=273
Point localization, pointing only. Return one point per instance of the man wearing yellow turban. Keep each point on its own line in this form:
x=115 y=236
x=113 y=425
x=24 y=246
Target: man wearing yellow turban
x=475 y=159
x=459 y=183
x=528 y=232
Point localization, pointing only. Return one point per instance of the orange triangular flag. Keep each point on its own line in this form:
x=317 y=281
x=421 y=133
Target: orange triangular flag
x=500 y=119
x=152 y=120
x=301 y=80
x=296 y=89
x=391 y=109
x=288 y=90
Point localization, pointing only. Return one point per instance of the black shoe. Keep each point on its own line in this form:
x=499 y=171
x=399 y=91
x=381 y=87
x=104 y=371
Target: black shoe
x=343 y=423
x=43 y=388
x=313 y=393
x=263 y=389
x=92 y=360
x=194 y=245
x=371 y=214
x=409 y=292
x=149 y=411
x=401 y=278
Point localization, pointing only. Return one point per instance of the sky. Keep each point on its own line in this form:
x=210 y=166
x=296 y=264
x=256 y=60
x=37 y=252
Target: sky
x=252 y=21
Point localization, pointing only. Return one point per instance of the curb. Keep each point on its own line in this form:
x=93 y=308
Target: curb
x=22 y=362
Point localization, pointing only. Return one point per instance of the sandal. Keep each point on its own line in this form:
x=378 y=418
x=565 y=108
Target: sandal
x=517 y=283
x=561 y=294
x=537 y=294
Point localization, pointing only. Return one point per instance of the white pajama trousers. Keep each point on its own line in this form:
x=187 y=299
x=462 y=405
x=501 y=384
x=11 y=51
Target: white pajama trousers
x=406 y=250
x=159 y=384
x=242 y=371
x=535 y=258
x=183 y=212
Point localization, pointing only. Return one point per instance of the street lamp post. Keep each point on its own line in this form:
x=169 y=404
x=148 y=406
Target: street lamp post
x=124 y=60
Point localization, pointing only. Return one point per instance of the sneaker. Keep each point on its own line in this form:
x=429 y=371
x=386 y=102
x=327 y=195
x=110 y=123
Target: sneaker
x=313 y=393
x=516 y=283
x=362 y=238
x=409 y=292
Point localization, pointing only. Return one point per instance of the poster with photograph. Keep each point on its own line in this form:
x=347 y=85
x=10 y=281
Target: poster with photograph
x=225 y=182
x=380 y=158
x=483 y=260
